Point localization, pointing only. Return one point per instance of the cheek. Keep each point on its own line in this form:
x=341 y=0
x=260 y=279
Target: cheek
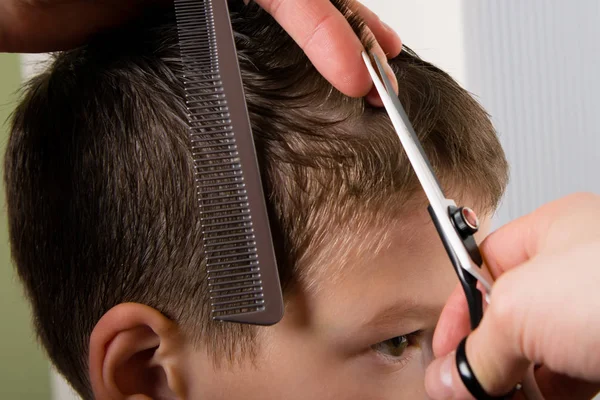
x=297 y=368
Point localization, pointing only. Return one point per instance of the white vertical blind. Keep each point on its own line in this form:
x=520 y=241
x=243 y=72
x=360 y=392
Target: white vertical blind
x=535 y=66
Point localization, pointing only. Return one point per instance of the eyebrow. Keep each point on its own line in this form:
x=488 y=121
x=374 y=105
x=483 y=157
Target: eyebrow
x=390 y=315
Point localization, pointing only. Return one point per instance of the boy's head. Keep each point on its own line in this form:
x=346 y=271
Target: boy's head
x=104 y=222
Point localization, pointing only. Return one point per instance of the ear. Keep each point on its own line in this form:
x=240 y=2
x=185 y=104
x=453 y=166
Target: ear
x=134 y=354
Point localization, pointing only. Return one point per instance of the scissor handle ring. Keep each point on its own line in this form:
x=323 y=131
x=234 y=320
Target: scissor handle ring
x=470 y=380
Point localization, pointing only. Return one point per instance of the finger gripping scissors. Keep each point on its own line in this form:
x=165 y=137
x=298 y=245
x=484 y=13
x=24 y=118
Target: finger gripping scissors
x=455 y=226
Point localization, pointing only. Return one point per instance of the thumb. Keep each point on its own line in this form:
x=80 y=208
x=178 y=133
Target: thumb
x=493 y=351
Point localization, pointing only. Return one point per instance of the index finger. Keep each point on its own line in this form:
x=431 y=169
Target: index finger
x=327 y=39
x=549 y=228
x=453 y=324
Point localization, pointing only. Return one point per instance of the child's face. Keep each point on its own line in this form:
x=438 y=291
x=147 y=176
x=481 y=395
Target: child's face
x=366 y=335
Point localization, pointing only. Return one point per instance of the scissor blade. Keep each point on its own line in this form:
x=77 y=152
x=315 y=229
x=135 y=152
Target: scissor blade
x=412 y=146
x=407 y=135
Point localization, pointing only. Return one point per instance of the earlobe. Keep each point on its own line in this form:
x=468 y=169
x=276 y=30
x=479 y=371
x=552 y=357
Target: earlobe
x=134 y=353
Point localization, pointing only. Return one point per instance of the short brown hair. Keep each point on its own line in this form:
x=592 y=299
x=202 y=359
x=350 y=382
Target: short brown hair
x=99 y=176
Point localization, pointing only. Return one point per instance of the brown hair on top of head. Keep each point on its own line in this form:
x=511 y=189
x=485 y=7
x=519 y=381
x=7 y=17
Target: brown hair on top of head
x=100 y=188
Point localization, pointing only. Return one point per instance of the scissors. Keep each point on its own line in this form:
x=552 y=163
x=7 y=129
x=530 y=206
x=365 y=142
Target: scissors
x=455 y=226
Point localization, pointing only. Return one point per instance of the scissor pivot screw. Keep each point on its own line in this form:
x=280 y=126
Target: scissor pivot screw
x=466 y=221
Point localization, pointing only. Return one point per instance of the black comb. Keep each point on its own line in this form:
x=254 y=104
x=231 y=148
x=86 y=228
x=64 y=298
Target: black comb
x=242 y=269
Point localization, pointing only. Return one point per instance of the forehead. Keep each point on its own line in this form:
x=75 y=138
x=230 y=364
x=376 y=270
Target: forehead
x=404 y=270
x=400 y=226
x=372 y=233
x=400 y=261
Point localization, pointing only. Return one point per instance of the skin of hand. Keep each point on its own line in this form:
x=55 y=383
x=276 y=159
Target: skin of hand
x=544 y=308
x=31 y=26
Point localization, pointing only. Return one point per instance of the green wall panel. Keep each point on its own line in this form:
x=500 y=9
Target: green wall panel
x=24 y=371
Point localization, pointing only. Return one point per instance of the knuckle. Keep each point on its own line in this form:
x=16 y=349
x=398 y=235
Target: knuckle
x=577 y=211
x=584 y=199
x=504 y=305
x=320 y=25
x=272 y=6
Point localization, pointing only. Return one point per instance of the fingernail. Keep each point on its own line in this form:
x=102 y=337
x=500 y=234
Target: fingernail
x=373 y=97
x=390 y=73
x=439 y=378
x=389 y=28
x=446 y=373
x=395 y=34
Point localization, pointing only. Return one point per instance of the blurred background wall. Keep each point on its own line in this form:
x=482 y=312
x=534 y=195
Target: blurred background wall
x=23 y=369
x=533 y=65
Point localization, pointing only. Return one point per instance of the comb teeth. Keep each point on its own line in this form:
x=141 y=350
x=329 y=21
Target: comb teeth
x=239 y=255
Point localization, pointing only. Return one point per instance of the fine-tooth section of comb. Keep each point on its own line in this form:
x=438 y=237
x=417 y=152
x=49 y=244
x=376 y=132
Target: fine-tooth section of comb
x=242 y=270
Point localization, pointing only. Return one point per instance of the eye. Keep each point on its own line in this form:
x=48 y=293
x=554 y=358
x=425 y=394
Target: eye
x=393 y=347
x=397 y=348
